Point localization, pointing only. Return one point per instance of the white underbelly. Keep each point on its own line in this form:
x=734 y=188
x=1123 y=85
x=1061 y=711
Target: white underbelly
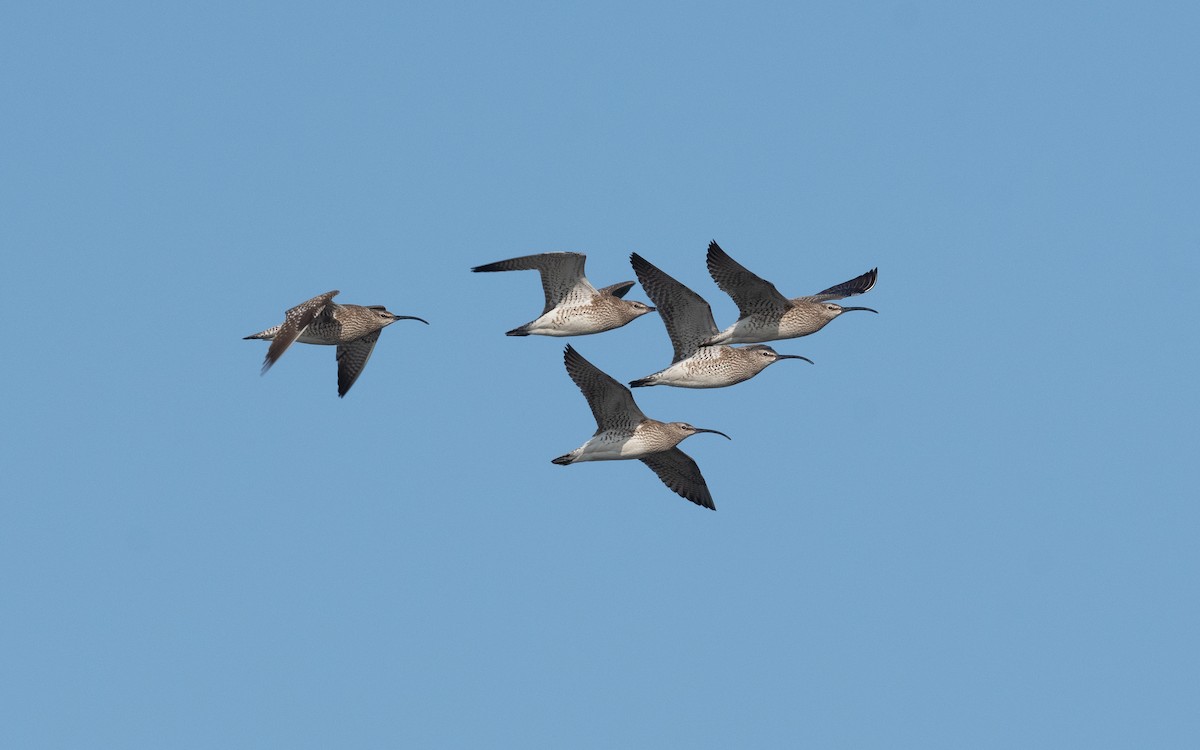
x=600 y=448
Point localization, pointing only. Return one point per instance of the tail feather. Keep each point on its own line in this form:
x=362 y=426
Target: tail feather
x=266 y=335
x=640 y=382
x=519 y=331
x=564 y=459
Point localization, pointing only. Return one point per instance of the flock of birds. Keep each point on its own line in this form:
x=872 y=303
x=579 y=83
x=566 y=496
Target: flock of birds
x=704 y=355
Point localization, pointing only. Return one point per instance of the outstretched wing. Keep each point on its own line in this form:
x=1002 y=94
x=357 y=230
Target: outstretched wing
x=352 y=358
x=678 y=471
x=611 y=403
x=686 y=315
x=750 y=293
x=857 y=285
x=562 y=275
x=294 y=323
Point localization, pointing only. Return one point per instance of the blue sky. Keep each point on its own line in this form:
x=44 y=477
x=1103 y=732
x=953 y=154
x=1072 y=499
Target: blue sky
x=967 y=525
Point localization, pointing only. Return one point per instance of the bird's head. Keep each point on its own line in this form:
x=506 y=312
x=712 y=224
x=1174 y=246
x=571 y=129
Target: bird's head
x=638 y=309
x=387 y=318
x=687 y=430
x=766 y=355
x=830 y=310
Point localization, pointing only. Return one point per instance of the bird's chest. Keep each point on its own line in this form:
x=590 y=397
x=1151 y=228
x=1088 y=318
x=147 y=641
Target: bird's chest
x=800 y=321
x=583 y=317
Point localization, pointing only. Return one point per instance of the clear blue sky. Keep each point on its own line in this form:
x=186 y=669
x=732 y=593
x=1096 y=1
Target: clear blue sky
x=972 y=523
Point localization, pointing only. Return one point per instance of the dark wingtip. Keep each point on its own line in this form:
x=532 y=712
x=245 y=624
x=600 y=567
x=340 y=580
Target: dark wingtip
x=870 y=278
x=865 y=282
x=573 y=359
x=714 y=258
x=489 y=267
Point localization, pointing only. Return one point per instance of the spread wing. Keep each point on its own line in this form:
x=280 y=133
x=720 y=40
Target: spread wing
x=562 y=276
x=749 y=292
x=352 y=358
x=294 y=323
x=678 y=471
x=686 y=315
x=611 y=403
x=857 y=285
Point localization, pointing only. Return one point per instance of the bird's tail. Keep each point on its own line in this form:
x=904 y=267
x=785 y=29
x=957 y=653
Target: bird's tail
x=564 y=459
x=266 y=335
x=518 y=331
x=640 y=382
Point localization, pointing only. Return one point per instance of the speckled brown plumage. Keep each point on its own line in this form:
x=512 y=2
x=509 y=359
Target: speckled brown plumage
x=353 y=329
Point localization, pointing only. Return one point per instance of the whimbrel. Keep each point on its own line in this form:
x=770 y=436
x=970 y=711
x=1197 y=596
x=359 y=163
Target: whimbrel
x=354 y=329
x=623 y=432
x=766 y=315
x=689 y=321
x=573 y=306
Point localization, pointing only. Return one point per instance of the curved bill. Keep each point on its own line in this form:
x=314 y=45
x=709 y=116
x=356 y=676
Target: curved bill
x=848 y=309
x=794 y=356
x=410 y=317
x=715 y=432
